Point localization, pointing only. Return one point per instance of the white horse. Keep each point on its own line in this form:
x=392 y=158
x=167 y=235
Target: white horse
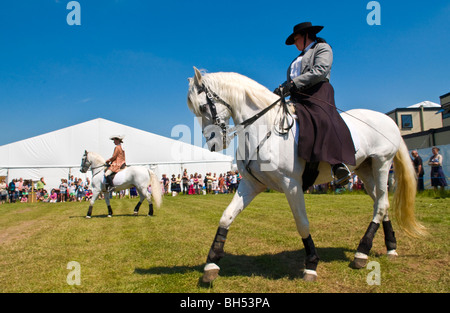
x=267 y=158
x=137 y=176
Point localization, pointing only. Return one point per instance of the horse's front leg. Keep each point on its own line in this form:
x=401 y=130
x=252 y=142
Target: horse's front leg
x=295 y=197
x=244 y=195
x=95 y=195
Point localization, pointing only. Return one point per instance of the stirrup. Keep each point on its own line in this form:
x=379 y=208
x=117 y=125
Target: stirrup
x=342 y=180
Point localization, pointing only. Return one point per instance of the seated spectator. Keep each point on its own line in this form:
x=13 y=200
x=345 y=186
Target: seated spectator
x=53 y=196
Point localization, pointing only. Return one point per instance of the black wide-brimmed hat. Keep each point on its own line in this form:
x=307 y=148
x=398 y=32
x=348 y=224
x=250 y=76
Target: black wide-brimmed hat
x=303 y=28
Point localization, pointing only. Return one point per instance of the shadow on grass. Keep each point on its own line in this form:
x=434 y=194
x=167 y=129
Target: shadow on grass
x=288 y=264
x=114 y=215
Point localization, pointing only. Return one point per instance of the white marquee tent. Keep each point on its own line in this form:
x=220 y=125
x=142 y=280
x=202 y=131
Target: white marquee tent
x=58 y=154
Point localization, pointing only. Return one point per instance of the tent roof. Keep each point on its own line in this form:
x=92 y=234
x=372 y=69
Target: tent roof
x=66 y=146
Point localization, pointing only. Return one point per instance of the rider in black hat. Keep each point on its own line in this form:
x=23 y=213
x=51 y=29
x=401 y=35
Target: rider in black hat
x=323 y=134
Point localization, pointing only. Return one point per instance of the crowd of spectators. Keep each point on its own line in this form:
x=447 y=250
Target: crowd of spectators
x=75 y=189
x=196 y=184
x=20 y=190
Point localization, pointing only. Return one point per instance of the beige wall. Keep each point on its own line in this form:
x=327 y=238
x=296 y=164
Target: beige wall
x=430 y=120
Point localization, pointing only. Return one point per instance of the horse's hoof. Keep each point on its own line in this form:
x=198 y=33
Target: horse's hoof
x=310 y=276
x=392 y=254
x=359 y=263
x=135 y=213
x=210 y=273
x=87 y=216
x=109 y=215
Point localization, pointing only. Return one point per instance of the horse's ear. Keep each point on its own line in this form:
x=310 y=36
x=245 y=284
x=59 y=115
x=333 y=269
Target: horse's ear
x=197 y=77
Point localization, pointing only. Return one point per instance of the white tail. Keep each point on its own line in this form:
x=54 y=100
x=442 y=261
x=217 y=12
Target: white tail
x=156 y=188
x=405 y=193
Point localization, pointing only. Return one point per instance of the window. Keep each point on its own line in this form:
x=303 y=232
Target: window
x=407 y=121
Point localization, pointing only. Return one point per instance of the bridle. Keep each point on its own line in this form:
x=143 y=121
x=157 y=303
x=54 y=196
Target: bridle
x=211 y=98
x=86 y=164
x=228 y=133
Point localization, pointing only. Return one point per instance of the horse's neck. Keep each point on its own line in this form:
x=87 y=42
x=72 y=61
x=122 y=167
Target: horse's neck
x=250 y=109
x=96 y=159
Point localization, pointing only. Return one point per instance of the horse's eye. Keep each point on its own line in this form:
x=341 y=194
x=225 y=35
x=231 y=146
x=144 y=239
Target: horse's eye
x=203 y=108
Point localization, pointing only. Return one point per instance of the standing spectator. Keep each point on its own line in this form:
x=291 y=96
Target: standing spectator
x=437 y=173
x=221 y=183
x=12 y=191
x=133 y=192
x=3 y=191
x=80 y=190
x=40 y=184
x=63 y=190
x=208 y=182
x=165 y=181
x=173 y=185
x=178 y=184
x=191 y=185
x=418 y=167
x=185 y=181
x=200 y=184
x=19 y=187
x=196 y=184
x=233 y=182
x=215 y=184
x=72 y=191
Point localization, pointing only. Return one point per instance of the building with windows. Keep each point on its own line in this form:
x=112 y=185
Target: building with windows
x=417 y=118
x=445 y=104
x=423 y=126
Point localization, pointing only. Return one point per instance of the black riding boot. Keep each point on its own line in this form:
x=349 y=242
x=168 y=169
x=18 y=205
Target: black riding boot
x=109 y=185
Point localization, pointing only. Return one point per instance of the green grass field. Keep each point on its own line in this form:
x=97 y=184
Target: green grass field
x=166 y=253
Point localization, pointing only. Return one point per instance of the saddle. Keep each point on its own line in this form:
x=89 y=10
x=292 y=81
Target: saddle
x=113 y=174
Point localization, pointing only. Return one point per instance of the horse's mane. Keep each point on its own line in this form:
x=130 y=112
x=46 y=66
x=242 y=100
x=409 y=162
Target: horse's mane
x=234 y=88
x=95 y=157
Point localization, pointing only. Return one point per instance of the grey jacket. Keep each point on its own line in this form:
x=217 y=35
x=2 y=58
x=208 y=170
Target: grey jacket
x=316 y=66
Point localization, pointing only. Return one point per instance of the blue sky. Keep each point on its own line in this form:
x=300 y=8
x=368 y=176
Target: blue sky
x=129 y=61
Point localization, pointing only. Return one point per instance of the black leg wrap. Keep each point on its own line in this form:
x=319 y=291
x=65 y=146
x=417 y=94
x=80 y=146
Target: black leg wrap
x=312 y=258
x=216 y=252
x=89 y=212
x=136 y=208
x=366 y=242
x=389 y=236
x=110 y=212
x=150 y=209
